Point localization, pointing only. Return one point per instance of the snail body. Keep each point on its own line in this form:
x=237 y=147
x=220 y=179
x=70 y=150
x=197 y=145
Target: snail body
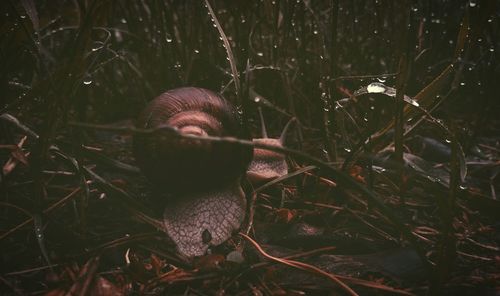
x=202 y=178
x=267 y=165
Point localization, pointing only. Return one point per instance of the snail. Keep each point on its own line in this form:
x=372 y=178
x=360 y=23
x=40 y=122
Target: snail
x=205 y=203
x=202 y=180
x=267 y=165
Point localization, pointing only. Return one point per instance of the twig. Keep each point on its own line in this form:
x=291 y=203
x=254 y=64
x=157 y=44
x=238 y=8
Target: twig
x=310 y=268
x=46 y=211
x=301 y=266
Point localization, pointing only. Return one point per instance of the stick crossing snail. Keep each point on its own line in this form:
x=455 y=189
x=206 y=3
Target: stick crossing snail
x=206 y=203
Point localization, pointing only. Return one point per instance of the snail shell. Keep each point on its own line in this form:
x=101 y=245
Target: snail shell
x=179 y=165
x=203 y=178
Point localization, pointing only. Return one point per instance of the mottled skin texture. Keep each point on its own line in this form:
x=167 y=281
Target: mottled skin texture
x=206 y=219
x=266 y=165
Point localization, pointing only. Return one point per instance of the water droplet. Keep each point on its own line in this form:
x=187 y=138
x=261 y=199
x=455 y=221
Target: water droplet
x=256 y=99
x=123 y=21
x=492 y=49
x=447 y=141
x=450 y=41
x=382 y=79
x=348 y=150
x=168 y=38
x=462 y=83
x=196 y=51
x=413 y=102
x=315 y=32
x=462 y=187
x=472 y=4
x=260 y=54
x=87 y=81
x=376 y=87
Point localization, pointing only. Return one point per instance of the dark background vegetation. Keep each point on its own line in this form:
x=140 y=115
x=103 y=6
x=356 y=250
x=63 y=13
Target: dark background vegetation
x=101 y=61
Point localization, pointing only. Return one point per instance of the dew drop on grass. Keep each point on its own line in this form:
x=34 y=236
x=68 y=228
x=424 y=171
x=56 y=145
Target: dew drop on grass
x=260 y=54
x=87 y=81
x=348 y=150
x=168 y=38
x=196 y=51
x=376 y=87
x=413 y=102
x=472 y=3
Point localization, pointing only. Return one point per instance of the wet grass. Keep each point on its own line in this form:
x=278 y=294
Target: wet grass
x=396 y=108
